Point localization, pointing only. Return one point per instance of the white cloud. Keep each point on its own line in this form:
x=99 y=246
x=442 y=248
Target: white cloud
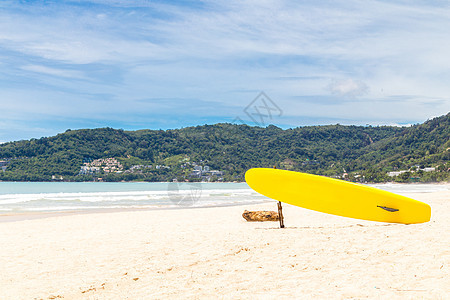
x=119 y=52
x=348 y=88
x=54 y=71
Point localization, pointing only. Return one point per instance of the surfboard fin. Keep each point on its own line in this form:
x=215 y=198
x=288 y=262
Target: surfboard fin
x=389 y=209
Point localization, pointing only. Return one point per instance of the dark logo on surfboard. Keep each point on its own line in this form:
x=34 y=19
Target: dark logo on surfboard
x=389 y=209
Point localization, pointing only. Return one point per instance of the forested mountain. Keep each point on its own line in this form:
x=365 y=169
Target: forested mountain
x=157 y=155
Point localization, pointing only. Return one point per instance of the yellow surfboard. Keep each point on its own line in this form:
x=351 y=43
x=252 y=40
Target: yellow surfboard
x=337 y=197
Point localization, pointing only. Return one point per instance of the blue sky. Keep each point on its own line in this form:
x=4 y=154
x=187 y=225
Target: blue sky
x=171 y=64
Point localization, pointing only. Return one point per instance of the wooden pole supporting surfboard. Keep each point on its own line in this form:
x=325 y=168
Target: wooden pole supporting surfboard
x=280 y=211
x=280 y=215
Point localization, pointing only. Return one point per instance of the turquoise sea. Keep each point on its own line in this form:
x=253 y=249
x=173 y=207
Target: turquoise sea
x=20 y=197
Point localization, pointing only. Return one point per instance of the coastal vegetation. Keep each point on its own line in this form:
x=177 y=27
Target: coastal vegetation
x=357 y=153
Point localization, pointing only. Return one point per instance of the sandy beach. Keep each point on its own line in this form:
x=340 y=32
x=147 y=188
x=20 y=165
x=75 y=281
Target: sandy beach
x=209 y=253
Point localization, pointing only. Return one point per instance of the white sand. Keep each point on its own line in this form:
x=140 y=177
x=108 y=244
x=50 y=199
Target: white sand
x=214 y=253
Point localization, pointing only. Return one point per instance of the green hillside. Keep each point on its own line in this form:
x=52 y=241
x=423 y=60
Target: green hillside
x=157 y=155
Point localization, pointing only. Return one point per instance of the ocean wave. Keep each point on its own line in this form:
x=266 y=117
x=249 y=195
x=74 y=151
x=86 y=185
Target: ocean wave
x=411 y=187
x=180 y=196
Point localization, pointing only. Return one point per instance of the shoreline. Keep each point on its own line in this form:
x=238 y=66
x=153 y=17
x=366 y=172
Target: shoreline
x=32 y=215
x=16 y=216
x=58 y=181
